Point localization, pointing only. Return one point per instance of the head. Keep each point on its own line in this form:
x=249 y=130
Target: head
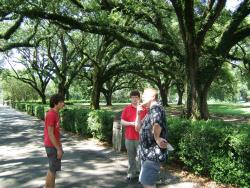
x=149 y=95
x=57 y=101
x=135 y=97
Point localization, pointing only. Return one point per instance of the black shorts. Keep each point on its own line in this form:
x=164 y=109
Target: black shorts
x=54 y=163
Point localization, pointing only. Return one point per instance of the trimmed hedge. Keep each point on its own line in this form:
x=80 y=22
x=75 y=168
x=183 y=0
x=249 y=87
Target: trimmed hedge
x=13 y=104
x=96 y=123
x=68 y=120
x=216 y=149
x=100 y=124
x=81 y=121
x=29 y=108
x=75 y=120
x=177 y=128
x=20 y=106
x=34 y=109
x=39 y=111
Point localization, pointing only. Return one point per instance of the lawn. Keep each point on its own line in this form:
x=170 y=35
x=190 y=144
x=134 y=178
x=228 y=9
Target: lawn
x=242 y=109
x=225 y=109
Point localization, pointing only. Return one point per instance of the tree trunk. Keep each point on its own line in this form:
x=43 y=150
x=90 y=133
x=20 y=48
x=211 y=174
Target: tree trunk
x=95 y=96
x=67 y=96
x=180 y=96
x=203 y=107
x=164 y=95
x=108 y=97
x=41 y=93
x=180 y=92
x=203 y=88
x=43 y=99
x=192 y=64
x=61 y=89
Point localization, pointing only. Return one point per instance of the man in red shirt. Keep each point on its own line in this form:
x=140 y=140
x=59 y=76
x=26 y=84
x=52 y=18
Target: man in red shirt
x=128 y=119
x=52 y=140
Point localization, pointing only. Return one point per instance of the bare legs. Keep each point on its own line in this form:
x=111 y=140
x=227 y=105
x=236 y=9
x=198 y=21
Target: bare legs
x=50 y=179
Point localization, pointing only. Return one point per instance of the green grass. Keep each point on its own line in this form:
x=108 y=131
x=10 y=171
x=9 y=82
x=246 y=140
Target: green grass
x=225 y=109
x=230 y=109
x=116 y=107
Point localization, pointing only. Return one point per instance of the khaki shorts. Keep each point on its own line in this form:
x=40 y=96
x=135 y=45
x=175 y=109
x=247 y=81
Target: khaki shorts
x=54 y=163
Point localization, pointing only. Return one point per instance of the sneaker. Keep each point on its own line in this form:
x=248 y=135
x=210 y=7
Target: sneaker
x=128 y=179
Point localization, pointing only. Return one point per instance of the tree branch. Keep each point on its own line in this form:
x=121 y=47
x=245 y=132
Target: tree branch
x=209 y=21
x=97 y=28
x=12 y=29
x=227 y=40
x=179 y=13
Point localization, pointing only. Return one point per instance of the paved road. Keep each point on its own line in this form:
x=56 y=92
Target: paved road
x=23 y=162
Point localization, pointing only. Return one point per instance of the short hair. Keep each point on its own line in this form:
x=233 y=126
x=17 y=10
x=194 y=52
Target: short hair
x=55 y=99
x=135 y=93
x=153 y=91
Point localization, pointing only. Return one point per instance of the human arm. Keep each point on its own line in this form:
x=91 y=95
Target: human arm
x=126 y=117
x=54 y=142
x=138 y=123
x=138 y=118
x=127 y=123
x=161 y=142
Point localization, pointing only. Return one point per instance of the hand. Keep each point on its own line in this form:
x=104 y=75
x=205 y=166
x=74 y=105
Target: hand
x=161 y=142
x=137 y=128
x=59 y=153
x=139 y=109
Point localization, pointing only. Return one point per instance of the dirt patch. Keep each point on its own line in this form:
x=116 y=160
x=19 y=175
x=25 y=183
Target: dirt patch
x=226 y=118
x=231 y=119
x=190 y=177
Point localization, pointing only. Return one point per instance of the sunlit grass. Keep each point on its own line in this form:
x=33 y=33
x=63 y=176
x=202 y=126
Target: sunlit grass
x=226 y=109
x=230 y=109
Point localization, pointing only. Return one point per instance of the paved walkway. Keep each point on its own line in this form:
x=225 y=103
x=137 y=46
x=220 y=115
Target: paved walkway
x=23 y=162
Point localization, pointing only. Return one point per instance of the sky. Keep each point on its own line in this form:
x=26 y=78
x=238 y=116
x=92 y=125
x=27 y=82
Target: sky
x=232 y=4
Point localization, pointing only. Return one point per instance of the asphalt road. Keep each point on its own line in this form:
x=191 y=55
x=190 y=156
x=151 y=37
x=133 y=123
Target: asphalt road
x=23 y=162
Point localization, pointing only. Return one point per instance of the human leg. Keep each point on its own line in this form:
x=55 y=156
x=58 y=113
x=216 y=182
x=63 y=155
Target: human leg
x=54 y=166
x=132 y=152
x=50 y=179
x=138 y=159
x=149 y=173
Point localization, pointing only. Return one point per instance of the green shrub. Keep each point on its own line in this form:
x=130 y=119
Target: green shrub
x=100 y=124
x=202 y=141
x=46 y=109
x=29 y=109
x=177 y=128
x=8 y=102
x=239 y=144
x=13 y=104
x=39 y=111
x=224 y=169
x=68 y=120
x=81 y=121
x=20 y=106
x=213 y=148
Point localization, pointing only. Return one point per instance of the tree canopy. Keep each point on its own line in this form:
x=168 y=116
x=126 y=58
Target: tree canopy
x=195 y=39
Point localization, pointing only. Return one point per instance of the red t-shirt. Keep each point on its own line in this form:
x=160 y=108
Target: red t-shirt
x=52 y=119
x=129 y=114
